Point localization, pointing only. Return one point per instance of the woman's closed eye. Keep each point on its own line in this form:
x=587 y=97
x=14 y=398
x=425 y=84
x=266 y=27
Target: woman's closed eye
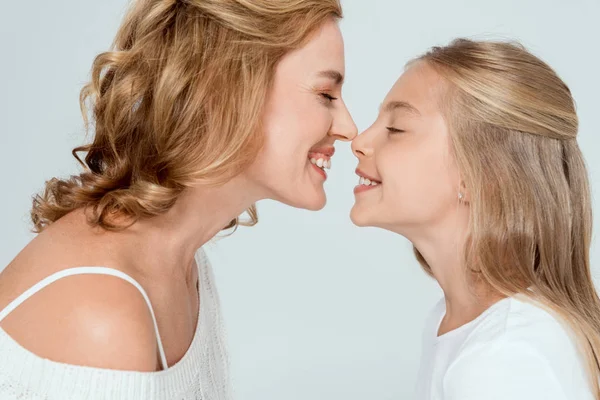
x=328 y=97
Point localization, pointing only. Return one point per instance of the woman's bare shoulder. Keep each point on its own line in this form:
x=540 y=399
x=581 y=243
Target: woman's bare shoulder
x=93 y=320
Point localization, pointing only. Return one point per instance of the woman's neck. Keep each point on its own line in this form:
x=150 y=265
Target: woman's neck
x=168 y=242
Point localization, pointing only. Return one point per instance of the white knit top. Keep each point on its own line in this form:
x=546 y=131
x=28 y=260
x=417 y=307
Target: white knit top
x=202 y=373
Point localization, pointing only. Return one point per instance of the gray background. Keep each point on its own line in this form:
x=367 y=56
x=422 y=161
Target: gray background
x=315 y=308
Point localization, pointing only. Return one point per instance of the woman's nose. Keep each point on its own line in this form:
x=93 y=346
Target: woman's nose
x=343 y=127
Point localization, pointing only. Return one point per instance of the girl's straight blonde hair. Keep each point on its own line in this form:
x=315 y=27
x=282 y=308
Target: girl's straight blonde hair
x=513 y=131
x=177 y=102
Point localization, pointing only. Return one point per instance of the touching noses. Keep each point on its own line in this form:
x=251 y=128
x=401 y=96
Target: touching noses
x=343 y=127
x=362 y=146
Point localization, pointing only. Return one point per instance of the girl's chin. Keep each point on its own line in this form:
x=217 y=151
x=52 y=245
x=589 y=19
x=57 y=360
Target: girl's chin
x=359 y=217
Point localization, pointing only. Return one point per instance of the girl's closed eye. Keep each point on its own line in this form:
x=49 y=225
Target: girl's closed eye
x=393 y=130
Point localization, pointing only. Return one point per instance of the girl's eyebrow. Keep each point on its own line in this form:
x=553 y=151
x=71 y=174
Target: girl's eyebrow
x=399 y=105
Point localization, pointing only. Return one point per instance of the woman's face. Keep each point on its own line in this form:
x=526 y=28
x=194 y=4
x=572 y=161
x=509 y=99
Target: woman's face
x=408 y=178
x=304 y=116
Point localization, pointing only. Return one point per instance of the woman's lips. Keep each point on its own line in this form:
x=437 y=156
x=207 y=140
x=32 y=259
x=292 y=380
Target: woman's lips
x=320 y=159
x=320 y=171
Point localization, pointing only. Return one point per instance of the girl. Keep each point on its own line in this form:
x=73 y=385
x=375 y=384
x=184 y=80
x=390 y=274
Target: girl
x=474 y=159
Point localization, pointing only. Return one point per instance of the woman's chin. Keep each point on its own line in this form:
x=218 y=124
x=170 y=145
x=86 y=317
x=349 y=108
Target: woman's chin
x=315 y=202
x=316 y=207
x=312 y=200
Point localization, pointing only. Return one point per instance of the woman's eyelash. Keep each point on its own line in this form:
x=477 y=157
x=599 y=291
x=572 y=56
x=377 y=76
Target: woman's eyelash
x=328 y=96
x=391 y=129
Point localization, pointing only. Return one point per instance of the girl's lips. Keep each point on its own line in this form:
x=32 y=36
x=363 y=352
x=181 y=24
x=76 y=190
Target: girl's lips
x=363 y=188
x=369 y=182
x=363 y=175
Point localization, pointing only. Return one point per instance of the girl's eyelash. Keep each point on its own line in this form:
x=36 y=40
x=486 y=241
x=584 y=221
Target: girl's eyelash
x=391 y=129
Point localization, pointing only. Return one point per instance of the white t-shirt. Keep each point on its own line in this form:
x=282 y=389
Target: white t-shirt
x=515 y=350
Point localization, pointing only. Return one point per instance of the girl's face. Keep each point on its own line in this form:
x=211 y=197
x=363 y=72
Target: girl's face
x=409 y=182
x=304 y=116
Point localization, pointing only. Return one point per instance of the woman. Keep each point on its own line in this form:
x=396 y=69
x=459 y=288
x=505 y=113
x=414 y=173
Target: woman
x=474 y=159
x=202 y=108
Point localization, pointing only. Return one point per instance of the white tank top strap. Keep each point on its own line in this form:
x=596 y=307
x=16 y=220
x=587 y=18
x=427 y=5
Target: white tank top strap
x=87 y=270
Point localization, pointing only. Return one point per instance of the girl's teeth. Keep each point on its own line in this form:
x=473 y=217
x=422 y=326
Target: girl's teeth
x=367 y=182
x=320 y=163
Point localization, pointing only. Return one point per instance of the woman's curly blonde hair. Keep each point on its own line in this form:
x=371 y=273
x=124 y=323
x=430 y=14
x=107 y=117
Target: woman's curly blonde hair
x=177 y=102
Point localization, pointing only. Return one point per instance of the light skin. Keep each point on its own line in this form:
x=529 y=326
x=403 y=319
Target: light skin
x=307 y=85
x=407 y=153
x=102 y=321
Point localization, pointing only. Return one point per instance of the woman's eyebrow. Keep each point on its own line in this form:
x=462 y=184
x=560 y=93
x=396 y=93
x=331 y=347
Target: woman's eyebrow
x=334 y=75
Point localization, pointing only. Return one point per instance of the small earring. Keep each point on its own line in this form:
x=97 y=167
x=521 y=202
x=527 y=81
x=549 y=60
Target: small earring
x=460 y=195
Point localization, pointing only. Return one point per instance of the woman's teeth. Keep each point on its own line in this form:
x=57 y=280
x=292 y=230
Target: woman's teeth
x=321 y=163
x=367 y=182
